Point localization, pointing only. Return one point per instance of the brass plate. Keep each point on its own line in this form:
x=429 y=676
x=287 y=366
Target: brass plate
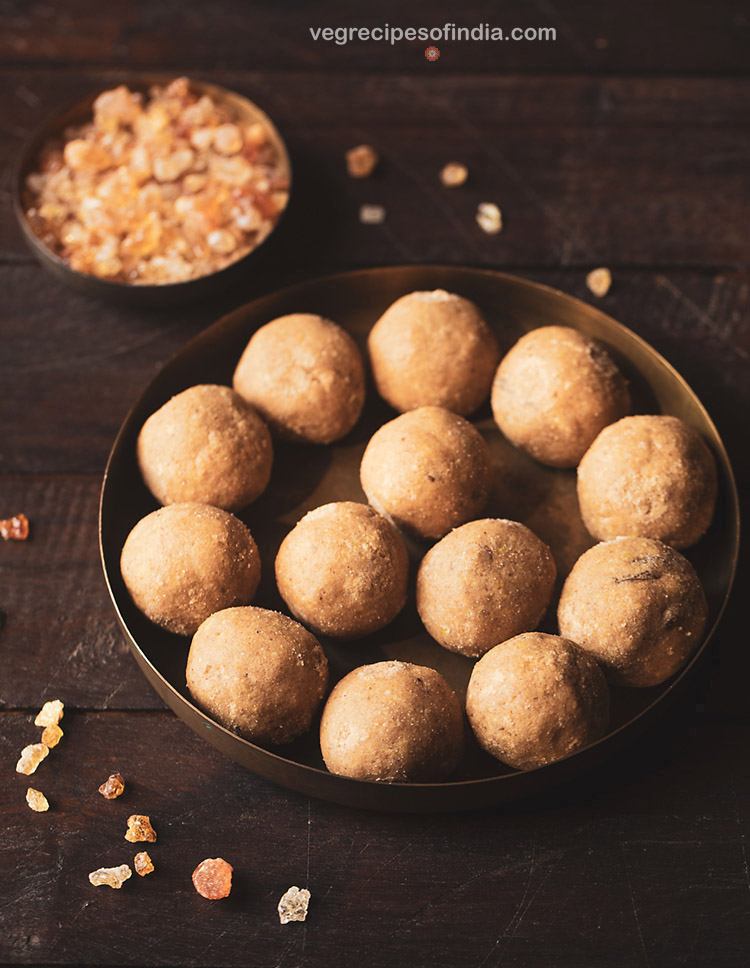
x=305 y=477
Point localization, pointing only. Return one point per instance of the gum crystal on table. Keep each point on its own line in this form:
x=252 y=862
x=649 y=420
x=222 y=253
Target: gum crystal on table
x=371 y=214
x=454 y=174
x=361 y=161
x=143 y=864
x=110 y=876
x=139 y=828
x=599 y=280
x=15 y=528
x=31 y=757
x=37 y=800
x=293 y=905
x=212 y=878
x=113 y=786
x=51 y=736
x=489 y=218
x=50 y=714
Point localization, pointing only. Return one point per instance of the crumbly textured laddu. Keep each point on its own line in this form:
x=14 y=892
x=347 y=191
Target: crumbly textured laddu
x=139 y=829
x=293 y=905
x=257 y=672
x=428 y=470
x=535 y=699
x=111 y=876
x=637 y=606
x=433 y=348
x=212 y=878
x=484 y=583
x=554 y=391
x=305 y=376
x=206 y=445
x=159 y=190
x=50 y=714
x=184 y=562
x=31 y=757
x=113 y=787
x=650 y=477
x=37 y=800
x=343 y=570
x=392 y=721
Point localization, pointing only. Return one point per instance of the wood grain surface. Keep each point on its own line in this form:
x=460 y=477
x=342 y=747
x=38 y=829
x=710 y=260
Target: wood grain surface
x=632 y=154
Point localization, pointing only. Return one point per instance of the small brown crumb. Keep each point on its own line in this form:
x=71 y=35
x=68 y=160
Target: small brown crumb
x=143 y=864
x=454 y=174
x=372 y=214
x=293 y=905
x=489 y=218
x=50 y=714
x=601 y=43
x=51 y=736
x=110 y=876
x=37 y=800
x=361 y=161
x=139 y=828
x=15 y=528
x=599 y=281
x=113 y=786
x=212 y=878
x=31 y=757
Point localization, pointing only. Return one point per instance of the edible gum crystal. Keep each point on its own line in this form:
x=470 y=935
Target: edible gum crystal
x=51 y=736
x=139 y=828
x=37 y=800
x=143 y=863
x=293 y=905
x=212 y=878
x=50 y=714
x=110 y=876
x=113 y=786
x=31 y=757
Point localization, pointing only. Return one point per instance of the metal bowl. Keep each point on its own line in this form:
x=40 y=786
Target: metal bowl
x=305 y=477
x=77 y=113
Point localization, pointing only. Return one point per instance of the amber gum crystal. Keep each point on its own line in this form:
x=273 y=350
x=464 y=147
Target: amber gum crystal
x=140 y=829
x=212 y=878
x=112 y=787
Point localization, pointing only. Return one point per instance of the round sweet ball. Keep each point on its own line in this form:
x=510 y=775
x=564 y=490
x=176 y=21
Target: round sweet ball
x=429 y=470
x=650 y=477
x=206 y=445
x=553 y=393
x=535 y=699
x=343 y=570
x=305 y=376
x=433 y=349
x=484 y=583
x=393 y=722
x=184 y=562
x=637 y=606
x=257 y=672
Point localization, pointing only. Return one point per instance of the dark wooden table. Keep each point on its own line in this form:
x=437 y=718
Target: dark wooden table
x=624 y=143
